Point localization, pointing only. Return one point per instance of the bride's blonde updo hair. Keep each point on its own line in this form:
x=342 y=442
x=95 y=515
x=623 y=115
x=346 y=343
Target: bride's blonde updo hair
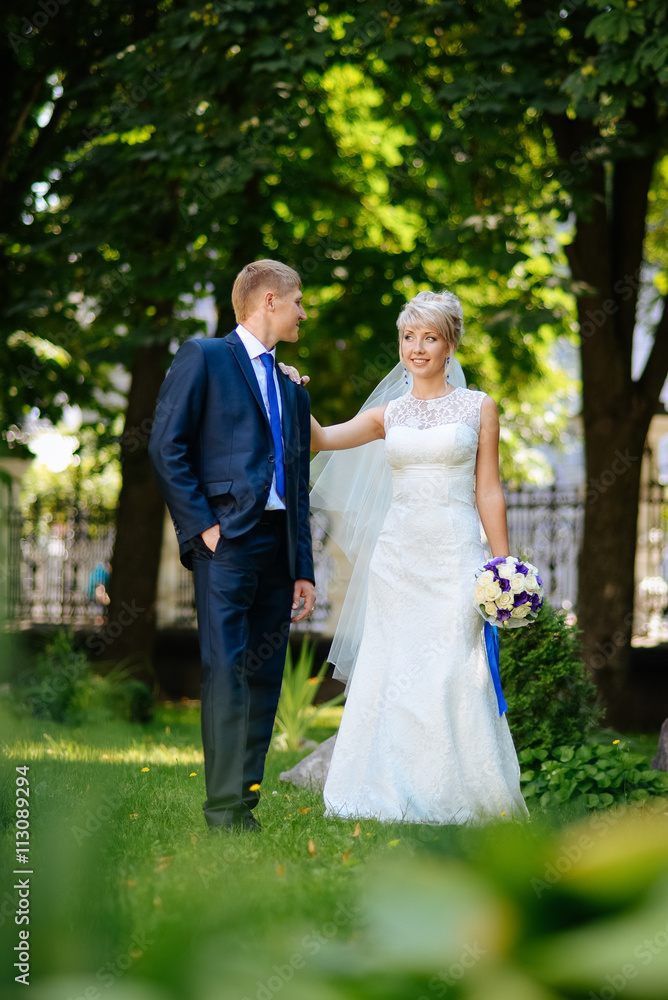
x=440 y=311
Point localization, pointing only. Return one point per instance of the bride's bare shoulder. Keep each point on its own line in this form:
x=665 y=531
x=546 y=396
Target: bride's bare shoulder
x=377 y=415
x=378 y=412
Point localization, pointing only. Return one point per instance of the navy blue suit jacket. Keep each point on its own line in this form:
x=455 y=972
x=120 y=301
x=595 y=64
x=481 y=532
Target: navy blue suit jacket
x=211 y=437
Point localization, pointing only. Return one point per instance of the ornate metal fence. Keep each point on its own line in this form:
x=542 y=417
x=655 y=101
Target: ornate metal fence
x=545 y=526
x=652 y=561
x=64 y=571
x=58 y=572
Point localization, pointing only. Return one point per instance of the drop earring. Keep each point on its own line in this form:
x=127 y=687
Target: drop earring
x=447 y=371
x=405 y=375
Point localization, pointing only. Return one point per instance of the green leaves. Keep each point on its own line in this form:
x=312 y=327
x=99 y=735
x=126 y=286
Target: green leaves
x=295 y=711
x=615 y=775
x=551 y=700
x=616 y=24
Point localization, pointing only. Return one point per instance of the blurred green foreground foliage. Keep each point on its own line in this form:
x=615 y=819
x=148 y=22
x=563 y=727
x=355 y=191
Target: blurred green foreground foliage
x=132 y=899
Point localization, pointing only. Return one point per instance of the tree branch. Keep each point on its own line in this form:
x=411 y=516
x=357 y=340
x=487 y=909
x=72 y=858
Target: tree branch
x=15 y=190
x=16 y=131
x=631 y=182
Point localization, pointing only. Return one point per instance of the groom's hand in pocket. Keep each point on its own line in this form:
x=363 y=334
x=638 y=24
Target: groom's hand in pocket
x=211 y=537
x=303 y=589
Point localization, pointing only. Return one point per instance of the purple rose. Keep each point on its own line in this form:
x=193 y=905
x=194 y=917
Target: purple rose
x=536 y=602
x=495 y=562
x=539 y=581
x=504 y=584
x=502 y=615
x=521 y=598
x=521 y=568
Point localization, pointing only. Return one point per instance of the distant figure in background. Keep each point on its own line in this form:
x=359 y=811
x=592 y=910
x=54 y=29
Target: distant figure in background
x=98 y=580
x=230 y=449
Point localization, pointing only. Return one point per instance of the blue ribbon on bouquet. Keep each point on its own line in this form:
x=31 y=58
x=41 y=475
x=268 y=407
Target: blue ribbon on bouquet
x=492 y=643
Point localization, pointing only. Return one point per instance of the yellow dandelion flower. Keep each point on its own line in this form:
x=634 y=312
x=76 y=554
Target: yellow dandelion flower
x=193 y=774
x=146 y=768
x=615 y=741
x=503 y=814
x=255 y=787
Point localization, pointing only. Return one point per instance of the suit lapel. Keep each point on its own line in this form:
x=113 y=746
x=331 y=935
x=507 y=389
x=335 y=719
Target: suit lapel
x=287 y=396
x=246 y=365
x=287 y=403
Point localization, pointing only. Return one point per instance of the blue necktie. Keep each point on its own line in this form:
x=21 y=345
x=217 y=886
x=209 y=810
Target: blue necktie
x=275 y=420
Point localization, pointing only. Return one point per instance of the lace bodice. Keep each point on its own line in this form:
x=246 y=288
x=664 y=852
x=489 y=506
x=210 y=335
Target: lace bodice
x=461 y=406
x=440 y=432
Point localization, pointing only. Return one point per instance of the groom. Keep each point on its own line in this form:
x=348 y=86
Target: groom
x=230 y=449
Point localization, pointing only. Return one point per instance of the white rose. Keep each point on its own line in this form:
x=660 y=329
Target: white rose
x=490 y=609
x=517 y=583
x=505 y=571
x=491 y=591
x=478 y=595
x=505 y=601
x=521 y=611
x=486 y=577
x=531 y=582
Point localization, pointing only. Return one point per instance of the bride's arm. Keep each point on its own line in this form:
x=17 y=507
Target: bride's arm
x=366 y=426
x=490 y=500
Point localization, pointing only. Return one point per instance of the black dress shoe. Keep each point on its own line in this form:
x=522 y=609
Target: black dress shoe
x=240 y=823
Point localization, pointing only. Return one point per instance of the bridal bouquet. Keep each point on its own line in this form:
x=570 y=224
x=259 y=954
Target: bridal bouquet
x=508 y=592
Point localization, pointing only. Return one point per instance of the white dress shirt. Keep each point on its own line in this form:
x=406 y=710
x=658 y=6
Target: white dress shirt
x=255 y=348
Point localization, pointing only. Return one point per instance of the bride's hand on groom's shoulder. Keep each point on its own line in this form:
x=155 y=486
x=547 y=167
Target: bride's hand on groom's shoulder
x=293 y=374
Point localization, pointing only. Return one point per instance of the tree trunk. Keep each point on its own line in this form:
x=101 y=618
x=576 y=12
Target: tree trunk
x=616 y=415
x=605 y=259
x=607 y=558
x=130 y=633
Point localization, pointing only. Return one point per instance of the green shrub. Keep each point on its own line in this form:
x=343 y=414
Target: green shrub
x=52 y=684
x=551 y=699
x=59 y=684
x=594 y=775
x=120 y=695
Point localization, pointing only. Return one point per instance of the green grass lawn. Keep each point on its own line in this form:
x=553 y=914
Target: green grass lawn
x=133 y=899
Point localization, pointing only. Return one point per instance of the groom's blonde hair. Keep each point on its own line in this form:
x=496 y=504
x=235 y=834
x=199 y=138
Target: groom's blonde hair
x=261 y=276
x=440 y=311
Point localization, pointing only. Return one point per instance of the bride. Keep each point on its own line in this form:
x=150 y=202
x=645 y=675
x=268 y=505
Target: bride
x=422 y=739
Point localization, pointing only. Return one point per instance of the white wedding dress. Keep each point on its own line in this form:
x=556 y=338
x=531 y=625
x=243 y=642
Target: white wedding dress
x=421 y=739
